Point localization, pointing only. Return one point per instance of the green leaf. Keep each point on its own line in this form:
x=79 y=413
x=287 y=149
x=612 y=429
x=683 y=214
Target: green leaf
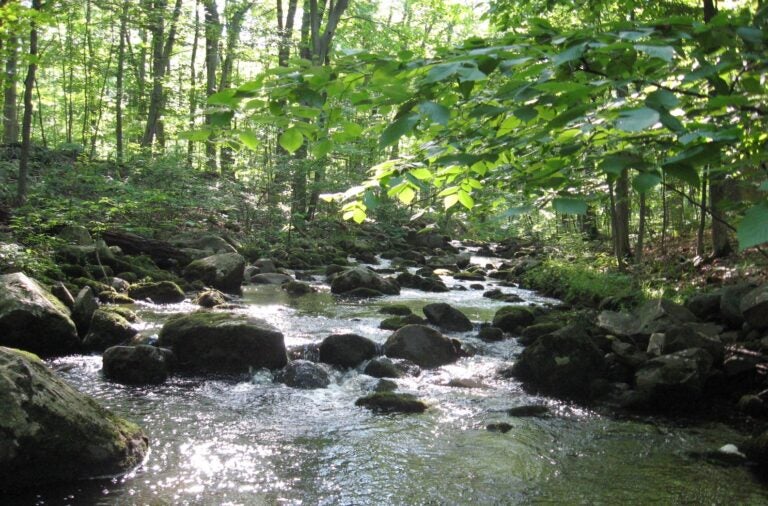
x=616 y=163
x=421 y=173
x=407 y=195
x=526 y=113
x=635 y=120
x=666 y=53
x=435 y=112
x=321 y=148
x=645 y=181
x=685 y=173
x=221 y=118
x=250 y=140
x=450 y=200
x=750 y=34
x=753 y=229
x=662 y=99
x=291 y=139
x=225 y=98
x=441 y=72
x=570 y=54
x=195 y=135
x=569 y=205
x=465 y=199
x=402 y=126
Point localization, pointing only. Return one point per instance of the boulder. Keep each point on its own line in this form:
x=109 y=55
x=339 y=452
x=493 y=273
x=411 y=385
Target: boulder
x=223 y=271
x=32 y=319
x=82 y=312
x=653 y=316
x=219 y=342
x=137 y=365
x=209 y=244
x=359 y=277
x=382 y=367
x=513 y=318
x=391 y=402
x=424 y=283
x=682 y=337
x=396 y=309
x=421 y=345
x=75 y=234
x=706 y=306
x=730 y=304
x=562 y=363
x=754 y=307
x=297 y=288
x=304 y=374
x=347 y=350
x=497 y=294
x=756 y=449
x=491 y=334
x=674 y=380
x=164 y=292
x=273 y=278
x=107 y=328
x=447 y=318
x=210 y=298
x=62 y=293
x=50 y=432
x=265 y=266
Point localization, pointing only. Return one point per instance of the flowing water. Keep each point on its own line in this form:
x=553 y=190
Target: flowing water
x=251 y=441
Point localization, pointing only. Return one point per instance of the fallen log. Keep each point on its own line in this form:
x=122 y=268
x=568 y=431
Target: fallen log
x=162 y=253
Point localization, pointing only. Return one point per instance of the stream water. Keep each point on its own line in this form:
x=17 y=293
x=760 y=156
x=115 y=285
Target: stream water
x=251 y=441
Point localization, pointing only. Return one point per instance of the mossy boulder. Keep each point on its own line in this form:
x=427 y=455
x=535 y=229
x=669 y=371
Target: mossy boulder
x=359 y=277
x=223 y=271
x=137 y=365
x=423 y=283
x=32 y=319
x=421 y=345
x=398 y=322
x=513 y=318
x=219 y=342
x=163 y=292
x=83 y=309
x=347 y=350
x=210 y=298
x=396 y=309
x=50 y=432
x=447 y=318
x=107 y=328
x=382 y=367
x=391 y=402
x=297 y=288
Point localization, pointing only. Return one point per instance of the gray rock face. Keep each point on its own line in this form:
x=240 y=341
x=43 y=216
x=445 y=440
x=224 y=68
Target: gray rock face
x=224 y=271
x=82 y=312
x=32 y=319
x=137 y=365
x=730 y=304
x=218 y=342
x=273 y=278
x=347 y=350
x=360 y=277
x=754 y=307
x=163 y=292
x=304 y=374
x=706 y=306
x=207 y=243
x=447 y=318
x=49 y=432
x=421 y=345
x=682 y=337
x=653 y=316
x=107 y=329
x=675 y=379
x=562 y=363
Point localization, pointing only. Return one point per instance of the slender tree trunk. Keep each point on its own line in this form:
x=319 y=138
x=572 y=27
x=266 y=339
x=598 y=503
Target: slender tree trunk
x=43 y=139
x=664 y=213
x=212 y=38
x=622 y=215
x=119 y=84
x=26 y=124
x=702 y=215
x=10 y=110
x=193 y=84
x=87 y=62
x=641 y=230
x=721 y=246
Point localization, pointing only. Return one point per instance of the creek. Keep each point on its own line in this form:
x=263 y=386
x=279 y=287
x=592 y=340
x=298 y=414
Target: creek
x=218 y=440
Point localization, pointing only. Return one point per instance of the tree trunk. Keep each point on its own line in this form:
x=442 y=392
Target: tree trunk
x=622 y=216
x=119 y=85
x=193 y=84
x=26 y=124
x=721 y=246
x=702 y=215
x=10 y=111
x=640 y=230
x=212 y=37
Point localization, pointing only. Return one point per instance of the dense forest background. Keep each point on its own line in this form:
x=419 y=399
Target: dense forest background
x=636 y=126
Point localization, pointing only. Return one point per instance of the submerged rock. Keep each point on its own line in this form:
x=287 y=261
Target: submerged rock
x=219 y=342
x=297 y=288
x=347 y=350
x=49 y=432
x=398 y=322
x=137 y=365
x=424 y=283
x=32 y=319
x=421 y=345
x=491 y=334
x=210 y=298
x=528 y=410
x=390 y=402
x=396 y=310
x=382 y=367
x=304 y=374
x=502 y=427
x=447 y=318
x=223 y=271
